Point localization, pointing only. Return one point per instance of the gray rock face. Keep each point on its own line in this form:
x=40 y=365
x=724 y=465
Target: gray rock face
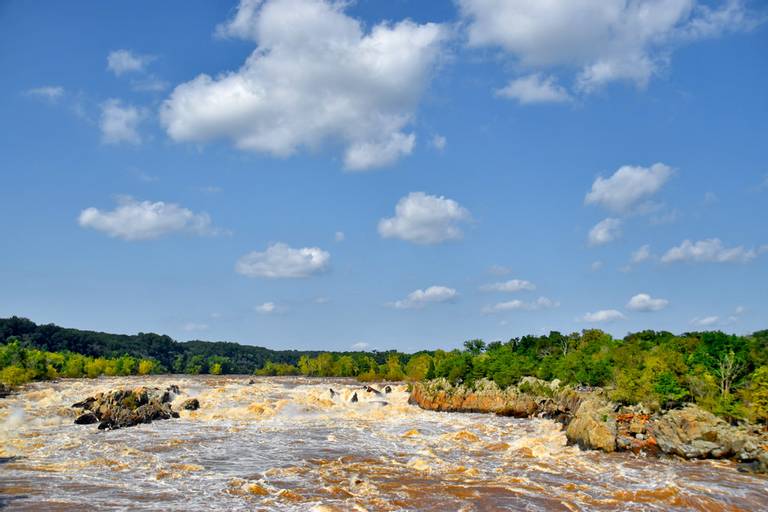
x=127 y=407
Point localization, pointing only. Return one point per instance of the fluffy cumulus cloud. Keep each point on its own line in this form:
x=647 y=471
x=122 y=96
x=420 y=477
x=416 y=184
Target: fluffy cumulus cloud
x=628 y=187
x=603 y=316
x=120 y=123
x=145 y=220
x=607 y=230
x=420 y=298
x=519 y=305
x=640 y=255
x=706 y=321
x=317 y=78
x=125 y=61
x=710 y=250
x=534 y=89
x=646 y=303
x=513 y=285
x=424 y=219
x=602 y=40
x=281 y=261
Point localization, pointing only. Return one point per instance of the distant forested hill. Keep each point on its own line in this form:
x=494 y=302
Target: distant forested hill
x=174 y=356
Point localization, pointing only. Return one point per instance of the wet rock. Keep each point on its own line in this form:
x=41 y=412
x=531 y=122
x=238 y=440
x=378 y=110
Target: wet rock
x=191 y=404
x=4 y=390
x=127 y=407
x=333 y=393
x=369 y=389
x=354 y=397
x=388 y=389
x=86 y=419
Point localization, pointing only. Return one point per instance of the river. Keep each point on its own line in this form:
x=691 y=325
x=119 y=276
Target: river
x=286 y=444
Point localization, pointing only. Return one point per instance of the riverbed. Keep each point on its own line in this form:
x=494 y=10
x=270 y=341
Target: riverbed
x=289 y=444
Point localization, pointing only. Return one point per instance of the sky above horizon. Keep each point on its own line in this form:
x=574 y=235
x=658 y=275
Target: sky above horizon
x=313 y=174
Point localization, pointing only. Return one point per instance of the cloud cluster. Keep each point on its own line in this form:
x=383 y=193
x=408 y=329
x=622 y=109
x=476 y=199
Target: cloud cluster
x=119 y=122
x=645 y=303
x=125 y=61
x=513 y=285
x=51 y=93
x=603 y=316
x=424 y=219
x=316 y=78
x=603 y=40
x=281 y=261
x=144 y=220
x=628 y=186
x=710 y=250
x=518 y=305
x=534 y=89
x=420 y=298
x=607 y=230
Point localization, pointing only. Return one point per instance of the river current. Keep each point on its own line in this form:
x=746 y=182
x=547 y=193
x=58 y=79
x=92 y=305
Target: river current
x=287 y=444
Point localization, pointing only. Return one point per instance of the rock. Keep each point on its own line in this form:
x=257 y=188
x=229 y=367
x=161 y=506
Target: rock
x=4 y=390
x=593 y=426
x=191 y=404
x=694 y=433
x=388 y=389
x=86 y=419
x=354 y=397
x=127 y=407
x=333 y=393
x=369 y=389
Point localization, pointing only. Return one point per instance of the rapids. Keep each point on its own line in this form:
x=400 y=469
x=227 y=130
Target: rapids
x=286 y=444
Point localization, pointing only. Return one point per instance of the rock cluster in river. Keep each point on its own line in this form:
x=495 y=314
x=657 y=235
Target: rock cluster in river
x=592 y=421
x=127 y=407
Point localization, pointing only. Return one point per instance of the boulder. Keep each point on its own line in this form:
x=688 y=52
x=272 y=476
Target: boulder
x=191 y=404
x=127 y=407
x=593 y=426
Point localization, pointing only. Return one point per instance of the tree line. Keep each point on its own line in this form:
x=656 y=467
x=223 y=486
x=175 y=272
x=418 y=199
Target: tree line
x=726 y=374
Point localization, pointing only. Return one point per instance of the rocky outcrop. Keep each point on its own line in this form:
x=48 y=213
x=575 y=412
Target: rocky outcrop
x=593 y=422
x=127 y=407
x=191 y=404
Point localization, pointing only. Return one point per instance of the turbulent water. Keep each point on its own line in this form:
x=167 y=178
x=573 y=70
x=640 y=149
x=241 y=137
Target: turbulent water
x=286 y=444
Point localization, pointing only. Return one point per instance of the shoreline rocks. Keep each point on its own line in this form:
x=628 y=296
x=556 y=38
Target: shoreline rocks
x=592 y=421
x=128 y=407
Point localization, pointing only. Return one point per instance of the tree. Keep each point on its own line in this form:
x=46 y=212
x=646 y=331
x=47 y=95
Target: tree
x=728 y=369
x=474 y=347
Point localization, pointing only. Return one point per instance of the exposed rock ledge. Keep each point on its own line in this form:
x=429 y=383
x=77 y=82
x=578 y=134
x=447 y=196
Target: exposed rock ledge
x=594 y=422
x=128 y=407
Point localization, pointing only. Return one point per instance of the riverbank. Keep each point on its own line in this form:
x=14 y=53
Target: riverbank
x=592 y=421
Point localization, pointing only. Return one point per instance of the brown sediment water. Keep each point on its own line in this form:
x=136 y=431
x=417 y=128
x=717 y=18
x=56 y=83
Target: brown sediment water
x=286 y=444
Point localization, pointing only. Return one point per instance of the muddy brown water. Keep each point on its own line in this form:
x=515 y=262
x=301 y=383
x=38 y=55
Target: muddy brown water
x=286 y=444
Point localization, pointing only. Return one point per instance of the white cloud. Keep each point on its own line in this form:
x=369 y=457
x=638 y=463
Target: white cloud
x=706 y=321
x=145 y=220
x=424 y=219
x=266 y=308
x=519 y=305
x=360 y=345
x=596 y=265
x=709 y=250
x=534 y=89
x=641 y=255
x=628 y=186
x=51 y=93
x=603 y=315
x=644 y=302
x=339 y=236
x=125 y=61
x=317 y=78
x=605 y=231
x=604 y=40
x=119 y=123
x=420 y=298
x=513 y=285
x=194 y=327
x=282 y=261
x=439 y=142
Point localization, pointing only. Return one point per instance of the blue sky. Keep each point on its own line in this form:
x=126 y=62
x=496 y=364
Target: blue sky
x=310 y=174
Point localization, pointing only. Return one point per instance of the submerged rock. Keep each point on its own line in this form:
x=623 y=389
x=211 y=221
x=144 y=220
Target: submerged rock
x=191 y=404
x=127 y=407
